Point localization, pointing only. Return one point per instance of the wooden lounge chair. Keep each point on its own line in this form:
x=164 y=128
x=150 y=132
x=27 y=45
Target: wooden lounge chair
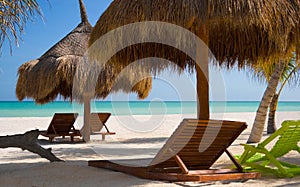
x=261 y=159
x=98 y=121
x=62 y=124
x=189 y=154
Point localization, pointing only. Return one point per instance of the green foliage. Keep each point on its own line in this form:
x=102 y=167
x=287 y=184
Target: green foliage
x=14 y=15
x=290 y=75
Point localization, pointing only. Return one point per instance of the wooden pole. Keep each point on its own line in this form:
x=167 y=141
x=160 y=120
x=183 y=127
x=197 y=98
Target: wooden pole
x=202 y=71
x=202 y=94
x=86 y=130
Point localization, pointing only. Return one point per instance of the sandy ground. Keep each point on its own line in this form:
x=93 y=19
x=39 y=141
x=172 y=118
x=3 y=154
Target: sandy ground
x=137 y=137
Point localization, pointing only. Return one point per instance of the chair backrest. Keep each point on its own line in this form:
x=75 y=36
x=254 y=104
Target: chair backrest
x=97 y=120
x=199 y=143
x=62 y=123
x=289 y=136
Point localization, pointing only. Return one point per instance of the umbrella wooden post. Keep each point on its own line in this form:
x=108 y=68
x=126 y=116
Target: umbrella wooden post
x=86 y=130
x=202 y=76
x=202 y=94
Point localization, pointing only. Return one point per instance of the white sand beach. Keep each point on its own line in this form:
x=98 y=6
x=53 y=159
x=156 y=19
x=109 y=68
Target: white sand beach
x=22 y=168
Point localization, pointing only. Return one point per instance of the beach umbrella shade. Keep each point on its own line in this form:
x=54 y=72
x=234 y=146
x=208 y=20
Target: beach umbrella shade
x=242 y=32
x=52 y=74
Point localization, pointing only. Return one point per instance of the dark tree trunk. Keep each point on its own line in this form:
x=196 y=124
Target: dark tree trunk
x=28 y=141
x=272 y=115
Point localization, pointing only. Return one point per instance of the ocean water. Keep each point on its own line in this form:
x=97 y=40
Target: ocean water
x=30 y=109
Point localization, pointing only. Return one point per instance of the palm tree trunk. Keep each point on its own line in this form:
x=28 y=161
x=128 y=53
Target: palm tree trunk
x=261 y=114
x=272 y=115
x=273 y=107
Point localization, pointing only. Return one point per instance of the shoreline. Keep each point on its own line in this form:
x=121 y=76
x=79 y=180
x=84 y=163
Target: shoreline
x=120 y=108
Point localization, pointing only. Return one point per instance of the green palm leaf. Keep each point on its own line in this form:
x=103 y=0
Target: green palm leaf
x=14 y=15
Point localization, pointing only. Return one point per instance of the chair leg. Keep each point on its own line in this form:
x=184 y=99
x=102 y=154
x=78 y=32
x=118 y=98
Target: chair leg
x=235 y=162
x=247 y=154
x=181 y=164
x=106 y=128
x=274 y=161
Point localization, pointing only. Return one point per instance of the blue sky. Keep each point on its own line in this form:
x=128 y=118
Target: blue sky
x=63 y=16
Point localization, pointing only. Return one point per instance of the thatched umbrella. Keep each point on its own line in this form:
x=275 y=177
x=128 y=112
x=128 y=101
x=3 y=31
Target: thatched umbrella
x=238 y=32
x=52 y=74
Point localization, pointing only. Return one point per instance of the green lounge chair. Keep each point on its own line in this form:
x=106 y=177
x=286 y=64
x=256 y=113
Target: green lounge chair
x=261 y=159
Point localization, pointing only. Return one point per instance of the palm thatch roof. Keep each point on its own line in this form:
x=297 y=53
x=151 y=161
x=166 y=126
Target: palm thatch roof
x=251 y=31
x=239 y=32
x=52 y=74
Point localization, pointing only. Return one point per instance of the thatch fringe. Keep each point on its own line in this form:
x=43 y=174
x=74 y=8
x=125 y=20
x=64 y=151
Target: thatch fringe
x=96 y=81
x=45 y=80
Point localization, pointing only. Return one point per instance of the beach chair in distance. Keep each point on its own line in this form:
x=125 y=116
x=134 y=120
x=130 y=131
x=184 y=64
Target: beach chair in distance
x=62 y=124
x=261 y=159
x=189 y=154
x=98 y=121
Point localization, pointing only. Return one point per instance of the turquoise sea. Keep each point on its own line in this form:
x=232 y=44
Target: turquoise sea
x=30 y=109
